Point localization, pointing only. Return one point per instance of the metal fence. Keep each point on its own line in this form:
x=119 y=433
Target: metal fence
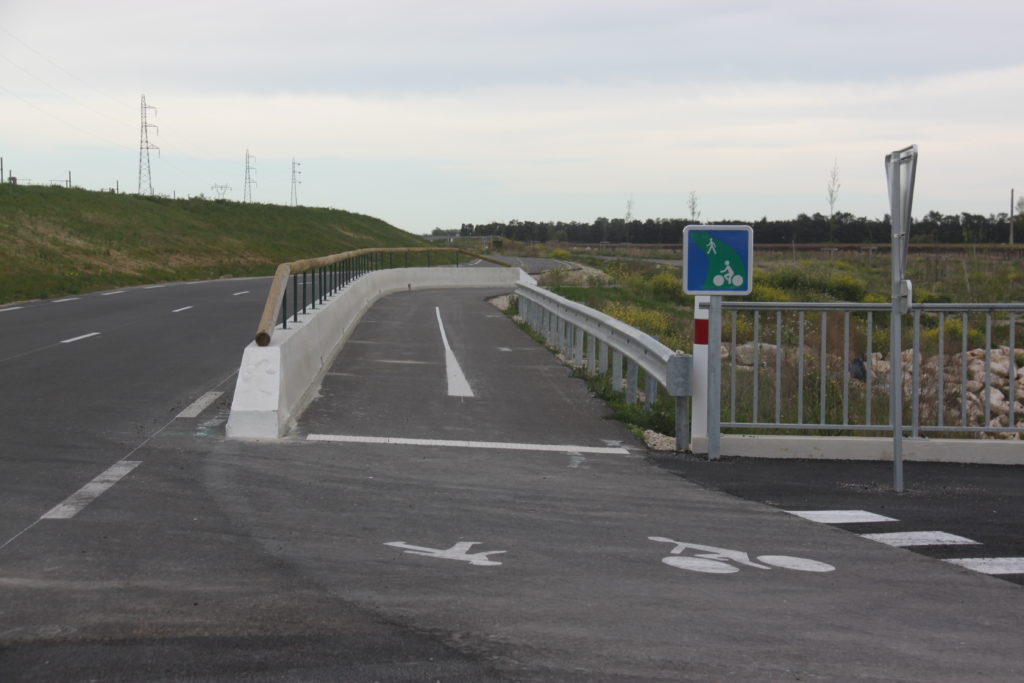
x=825 y=368
x=600 y=344
x=301 y=286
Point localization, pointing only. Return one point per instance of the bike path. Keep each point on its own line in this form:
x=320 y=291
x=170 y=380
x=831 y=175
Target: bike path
x=569 y=564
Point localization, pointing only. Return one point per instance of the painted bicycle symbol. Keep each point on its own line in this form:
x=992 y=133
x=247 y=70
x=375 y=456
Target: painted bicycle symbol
x=728 y=275
x=711 y=560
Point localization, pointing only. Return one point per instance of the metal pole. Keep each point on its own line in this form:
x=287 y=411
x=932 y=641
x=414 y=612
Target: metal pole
x=715 y=379
x=895 y=328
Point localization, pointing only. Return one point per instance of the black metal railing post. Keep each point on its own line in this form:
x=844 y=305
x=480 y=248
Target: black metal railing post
x=284 y=309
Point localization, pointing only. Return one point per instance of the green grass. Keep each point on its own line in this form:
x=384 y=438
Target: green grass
x=56 y=241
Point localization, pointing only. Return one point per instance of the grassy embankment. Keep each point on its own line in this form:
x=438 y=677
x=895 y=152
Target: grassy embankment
x=56 y=241
x=648 y=295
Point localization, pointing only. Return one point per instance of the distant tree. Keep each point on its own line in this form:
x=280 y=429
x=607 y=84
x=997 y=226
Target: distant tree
x=833 y=188
x=692 y=204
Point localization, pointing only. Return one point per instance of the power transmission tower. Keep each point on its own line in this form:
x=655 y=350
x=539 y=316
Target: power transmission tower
x=145 y=178
x=295 y=182
x=221 y=190
x=250 y=179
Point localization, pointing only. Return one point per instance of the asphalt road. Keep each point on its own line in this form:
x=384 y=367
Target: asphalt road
x=420 y=523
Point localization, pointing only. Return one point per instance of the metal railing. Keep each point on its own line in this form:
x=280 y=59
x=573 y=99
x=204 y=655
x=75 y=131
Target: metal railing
x=600 y=344
x=308 y=284
x=823 y=367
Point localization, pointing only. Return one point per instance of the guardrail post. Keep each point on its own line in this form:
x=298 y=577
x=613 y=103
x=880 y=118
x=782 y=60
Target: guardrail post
x=650 y=391
x=631 y=381
x=591 y=354
x=678 y=384
x=578 y=352
x=602 y=358
x=616 y=370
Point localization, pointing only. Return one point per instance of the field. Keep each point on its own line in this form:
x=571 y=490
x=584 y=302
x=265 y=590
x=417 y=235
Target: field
x=643 y=288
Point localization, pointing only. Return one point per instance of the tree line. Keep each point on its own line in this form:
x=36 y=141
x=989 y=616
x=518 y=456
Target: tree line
x=842 y=228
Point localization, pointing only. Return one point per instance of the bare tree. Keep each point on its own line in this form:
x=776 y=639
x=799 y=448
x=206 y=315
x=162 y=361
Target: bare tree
x=833 y=188
x=692 y=203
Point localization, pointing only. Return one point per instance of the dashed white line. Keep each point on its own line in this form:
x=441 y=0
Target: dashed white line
x=457 y=383
x=840 y=516
x=179 y=310
x=907 y=539
x=62 y=301
x=995 y=566
x=77 y=501
x=154 y=287
x=491 y=445
x=120 y=291
x=240 y=293
x=80 y=337
x=201 y=404
x=11 y=308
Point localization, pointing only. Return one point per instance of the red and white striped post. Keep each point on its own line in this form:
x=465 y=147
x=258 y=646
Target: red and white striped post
x=699 y=411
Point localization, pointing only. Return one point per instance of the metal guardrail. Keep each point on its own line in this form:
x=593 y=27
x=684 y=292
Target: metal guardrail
x=814 y=366
x=311 y=281
x=585 y=336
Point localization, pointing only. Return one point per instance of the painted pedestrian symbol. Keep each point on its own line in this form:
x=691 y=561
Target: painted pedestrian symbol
x=459 y=551
x=709 y=559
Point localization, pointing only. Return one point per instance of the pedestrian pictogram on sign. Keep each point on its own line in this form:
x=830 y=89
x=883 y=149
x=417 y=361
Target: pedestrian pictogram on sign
x=718 y=259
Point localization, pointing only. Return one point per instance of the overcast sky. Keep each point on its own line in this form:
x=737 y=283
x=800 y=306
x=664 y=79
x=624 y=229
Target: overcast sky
x=433 y=114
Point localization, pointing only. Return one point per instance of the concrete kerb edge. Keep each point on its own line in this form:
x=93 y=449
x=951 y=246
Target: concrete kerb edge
x=964 y=451
x=277 y=382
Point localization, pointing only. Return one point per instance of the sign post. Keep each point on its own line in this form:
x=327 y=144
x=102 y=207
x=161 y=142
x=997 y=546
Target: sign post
x=718 y=260
x=900 y=169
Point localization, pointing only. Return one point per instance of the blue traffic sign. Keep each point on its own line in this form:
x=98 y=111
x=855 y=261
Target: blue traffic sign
x=718 y=259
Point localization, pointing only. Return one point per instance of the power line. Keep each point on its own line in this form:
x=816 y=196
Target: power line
x=145 y=177
x=82 y=81
x=221 y=190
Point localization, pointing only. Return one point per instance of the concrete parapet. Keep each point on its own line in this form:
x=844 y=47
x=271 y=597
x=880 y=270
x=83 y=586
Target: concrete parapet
x=276 y=382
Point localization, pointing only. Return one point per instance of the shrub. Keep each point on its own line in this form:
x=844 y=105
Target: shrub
x=846 y=288
x=666 y=287
x=654 y=323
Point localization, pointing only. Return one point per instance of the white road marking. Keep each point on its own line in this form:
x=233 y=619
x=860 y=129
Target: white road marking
x=120 y=291
x=841 y=516
x=459 y=551
x=240 y=293
x=504 y=349
x=457 y=384
x=11 y=308
x=179 y=310
x=492 y=445
x=77 y=501
x=155 y=287
x=80 y=337
x=201 y=404
x=61 y=301
x=992 y=565
x=404 y=362
x=906 y=539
